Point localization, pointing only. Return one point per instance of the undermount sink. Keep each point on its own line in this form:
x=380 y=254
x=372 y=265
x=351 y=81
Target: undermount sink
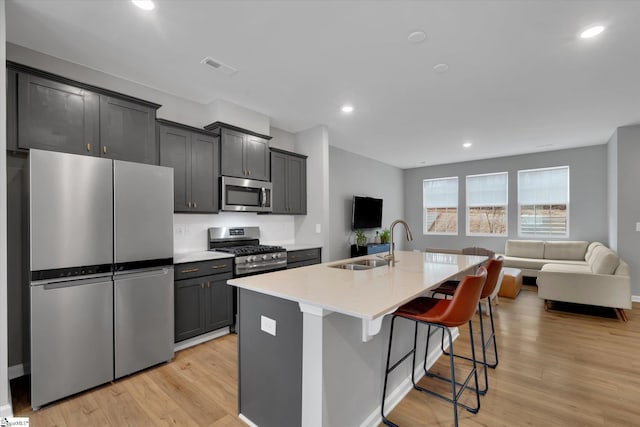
x=363 y=264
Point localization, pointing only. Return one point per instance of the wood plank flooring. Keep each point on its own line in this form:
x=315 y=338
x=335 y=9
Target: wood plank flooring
x=559 y=368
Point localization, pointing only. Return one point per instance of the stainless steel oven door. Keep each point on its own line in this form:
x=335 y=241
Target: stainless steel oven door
x=247 y=195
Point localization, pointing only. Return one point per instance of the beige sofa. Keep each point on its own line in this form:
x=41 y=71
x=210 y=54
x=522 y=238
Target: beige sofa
x=573 y=271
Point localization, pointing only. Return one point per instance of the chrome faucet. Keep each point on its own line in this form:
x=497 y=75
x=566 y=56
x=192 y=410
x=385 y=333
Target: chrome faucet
x=391 y=256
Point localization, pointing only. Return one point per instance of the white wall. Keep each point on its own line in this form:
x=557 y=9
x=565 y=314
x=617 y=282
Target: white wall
x=314 y=143
x=351 y=174
x=282 y=139
x=5 y=402
x=236 y=115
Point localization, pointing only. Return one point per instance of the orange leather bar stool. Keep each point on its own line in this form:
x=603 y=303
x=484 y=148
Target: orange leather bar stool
x=448 y=288
x=443 y=314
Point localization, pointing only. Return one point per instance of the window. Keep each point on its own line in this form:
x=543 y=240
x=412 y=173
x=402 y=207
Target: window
x=440 y=202
x=487 y=204
x=543 y=202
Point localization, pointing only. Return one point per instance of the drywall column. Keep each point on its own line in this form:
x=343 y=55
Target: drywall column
x=628 y=212
x=5 y=401
x=612 y=189
x=313 y=228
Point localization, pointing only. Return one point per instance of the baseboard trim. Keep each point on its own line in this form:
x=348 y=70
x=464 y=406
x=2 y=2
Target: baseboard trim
x=16 y=371
x=201 y=339
x=247 y=421
x=396 y=396
x=635 y=298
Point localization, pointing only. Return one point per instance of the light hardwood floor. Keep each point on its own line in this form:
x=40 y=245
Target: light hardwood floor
x=557 y=368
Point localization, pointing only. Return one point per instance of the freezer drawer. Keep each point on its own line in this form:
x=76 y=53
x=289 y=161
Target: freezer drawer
x=71 y=338
x=143 y=320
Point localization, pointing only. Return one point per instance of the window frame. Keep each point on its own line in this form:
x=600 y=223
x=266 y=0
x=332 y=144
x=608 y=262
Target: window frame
x=568 y=205
x=426 y=232
x=467 y=207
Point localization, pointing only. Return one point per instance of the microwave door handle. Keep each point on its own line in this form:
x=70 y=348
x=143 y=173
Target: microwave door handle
x=263 y=195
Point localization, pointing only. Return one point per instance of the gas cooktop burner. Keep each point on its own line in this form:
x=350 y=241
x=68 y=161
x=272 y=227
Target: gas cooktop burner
x=251 y=249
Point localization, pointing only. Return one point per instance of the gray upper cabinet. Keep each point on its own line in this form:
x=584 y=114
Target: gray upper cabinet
x=243 y=154
x=232 y=154
x=127 y=131
x=193 y=155
x=289 y=178
x=56 y=116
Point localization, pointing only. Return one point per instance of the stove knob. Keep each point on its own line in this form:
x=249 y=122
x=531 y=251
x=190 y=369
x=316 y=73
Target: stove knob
x=251 y=258
x=274 y=256
x=265 y=257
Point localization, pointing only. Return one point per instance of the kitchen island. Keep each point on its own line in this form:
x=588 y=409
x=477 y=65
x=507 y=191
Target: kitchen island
x=312 y=340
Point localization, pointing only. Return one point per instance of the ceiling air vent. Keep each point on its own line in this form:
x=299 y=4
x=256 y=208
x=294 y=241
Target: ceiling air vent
x=219 y=66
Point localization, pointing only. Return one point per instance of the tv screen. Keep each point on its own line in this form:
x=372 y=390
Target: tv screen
x=367 y=213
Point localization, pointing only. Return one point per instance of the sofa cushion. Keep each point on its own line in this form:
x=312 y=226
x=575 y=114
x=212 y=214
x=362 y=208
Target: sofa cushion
x=590 y=250
x=566 y=268
x=524 y=248
x=604 y=261
x=518 y=262
x=573 y=250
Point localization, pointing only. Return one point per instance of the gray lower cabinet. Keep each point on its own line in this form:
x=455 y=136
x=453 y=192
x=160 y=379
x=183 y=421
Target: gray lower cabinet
x=54 y=113
x=193 y=155
x=289 y=179
x=304 y=257
x=127 y=131
x=243 y=154
x=203 y=301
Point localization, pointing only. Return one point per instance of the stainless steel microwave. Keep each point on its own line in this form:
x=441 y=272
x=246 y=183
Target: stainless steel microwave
x=246 y=195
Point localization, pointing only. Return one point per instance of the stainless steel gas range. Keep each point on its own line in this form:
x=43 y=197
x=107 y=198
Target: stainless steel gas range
x=250 y=256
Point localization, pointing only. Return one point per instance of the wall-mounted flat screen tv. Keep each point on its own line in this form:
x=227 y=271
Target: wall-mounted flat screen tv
x=367 y=213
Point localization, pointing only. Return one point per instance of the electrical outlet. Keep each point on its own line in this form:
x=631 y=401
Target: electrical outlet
x=637 y=226
x=318 y=228
x=268 y=325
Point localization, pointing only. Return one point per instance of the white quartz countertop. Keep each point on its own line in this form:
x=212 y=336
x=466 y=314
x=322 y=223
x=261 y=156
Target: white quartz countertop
x=366 y=294
x=182 y=257
x=301 y=247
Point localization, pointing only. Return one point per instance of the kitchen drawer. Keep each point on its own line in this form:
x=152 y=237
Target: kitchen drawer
x=294 y=257
x=303 y=263
x=203 y=268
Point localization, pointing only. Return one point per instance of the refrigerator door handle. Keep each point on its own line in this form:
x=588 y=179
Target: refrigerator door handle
x=141 y=274
x=59 y=284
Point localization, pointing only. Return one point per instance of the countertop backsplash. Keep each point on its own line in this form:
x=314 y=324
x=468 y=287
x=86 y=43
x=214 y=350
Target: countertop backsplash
x=190 y=230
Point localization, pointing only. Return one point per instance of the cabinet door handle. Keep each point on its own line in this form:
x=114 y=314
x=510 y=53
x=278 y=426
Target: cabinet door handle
x=208 y=284
x=189 y=204
x=89 y=147
x=248 y=172
x=195 y=205
x=201 y=285
x=190 y=270
x=104 y=149
x=217 y=267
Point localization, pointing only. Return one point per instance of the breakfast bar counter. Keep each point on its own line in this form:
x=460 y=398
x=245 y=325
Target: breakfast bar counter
x=312 y=339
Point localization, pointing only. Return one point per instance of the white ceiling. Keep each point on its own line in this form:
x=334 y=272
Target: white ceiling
x=520 y=80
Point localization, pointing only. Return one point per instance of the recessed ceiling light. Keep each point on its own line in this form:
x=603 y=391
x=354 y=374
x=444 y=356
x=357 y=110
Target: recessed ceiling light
x=467 y=144
x=417 y=37
x=347 y=108
x=591 y=32
x=144 y=4
x=440 y=68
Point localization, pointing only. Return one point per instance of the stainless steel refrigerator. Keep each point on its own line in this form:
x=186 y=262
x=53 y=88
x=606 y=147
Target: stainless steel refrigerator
x=101 y=271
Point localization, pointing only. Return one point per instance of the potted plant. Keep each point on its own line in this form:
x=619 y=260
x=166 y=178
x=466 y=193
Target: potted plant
x=361 y=238
x=384 y=236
